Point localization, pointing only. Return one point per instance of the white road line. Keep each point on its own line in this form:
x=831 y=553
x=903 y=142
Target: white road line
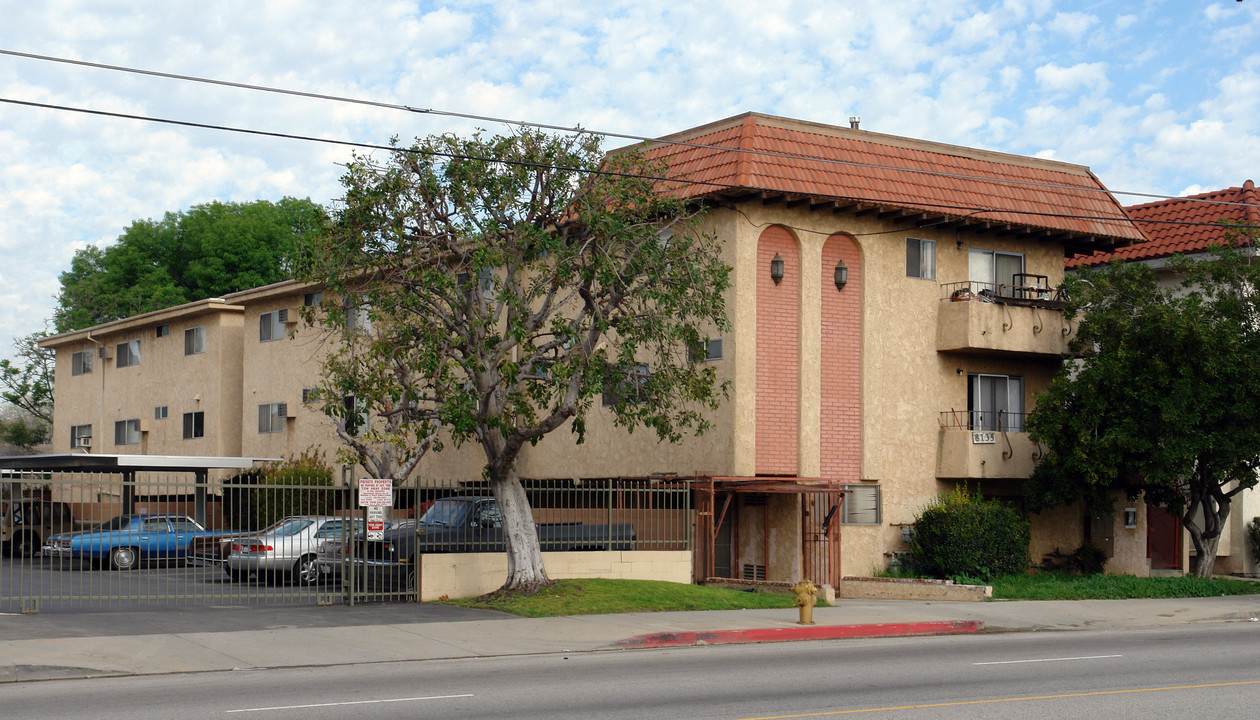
x=356 y=702
x=1016 y=662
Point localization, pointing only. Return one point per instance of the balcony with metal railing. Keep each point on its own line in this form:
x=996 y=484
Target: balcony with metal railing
x=1023 y=317
x=977 y=444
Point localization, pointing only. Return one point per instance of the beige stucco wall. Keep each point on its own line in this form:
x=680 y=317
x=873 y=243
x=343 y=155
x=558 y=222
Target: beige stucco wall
x=202 y=382
x=462 y=575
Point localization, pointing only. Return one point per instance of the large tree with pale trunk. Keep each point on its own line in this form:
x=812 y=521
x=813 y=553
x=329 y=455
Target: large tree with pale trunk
x=1162 y=396
x=512 y=280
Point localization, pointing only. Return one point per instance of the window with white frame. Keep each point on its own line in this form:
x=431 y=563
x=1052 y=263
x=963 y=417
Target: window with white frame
x=921 y=258
x=127 y=432
x=271 y=417
x=81 y=363
x=271 y=325
x=80 y=436
x=162 y=330
x=358 y=317
x=195 y=340
x=996 y=402
x=194 y=425
x=706 y=351
x=127 y=354
x=312 y=299
x=993 y=270
x=861 y=505
x=159 y=412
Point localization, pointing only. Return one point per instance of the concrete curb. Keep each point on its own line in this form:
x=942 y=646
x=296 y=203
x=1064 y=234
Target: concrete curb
x=804 y=632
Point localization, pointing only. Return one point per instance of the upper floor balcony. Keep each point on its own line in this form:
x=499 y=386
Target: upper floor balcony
x=1024 y=317
x=984 y=444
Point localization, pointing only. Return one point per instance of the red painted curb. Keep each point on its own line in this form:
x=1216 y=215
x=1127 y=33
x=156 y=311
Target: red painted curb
x=802 y=632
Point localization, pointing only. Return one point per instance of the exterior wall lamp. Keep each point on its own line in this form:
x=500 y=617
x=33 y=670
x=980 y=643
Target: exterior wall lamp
x=776 y=269
x=842 y=275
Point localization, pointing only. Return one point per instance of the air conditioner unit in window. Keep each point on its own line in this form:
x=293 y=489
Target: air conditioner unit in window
x=105 y=353
x=85 y=442
x=290 y=316
x=283 y=315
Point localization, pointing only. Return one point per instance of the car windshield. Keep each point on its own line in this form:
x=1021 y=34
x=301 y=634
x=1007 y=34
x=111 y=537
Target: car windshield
x=444 y=513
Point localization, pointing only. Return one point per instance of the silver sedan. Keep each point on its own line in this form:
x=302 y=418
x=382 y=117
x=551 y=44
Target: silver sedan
x=286 y=550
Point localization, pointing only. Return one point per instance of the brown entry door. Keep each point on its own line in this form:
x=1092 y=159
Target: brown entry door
x=1163 y=537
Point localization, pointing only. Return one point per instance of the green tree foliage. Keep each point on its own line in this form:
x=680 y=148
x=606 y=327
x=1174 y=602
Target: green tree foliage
x=208 y=251
x=19 y=429
x=964 y=535
x=1163 y=399
x=27 y=380
x=510 y=280
x=300 y=485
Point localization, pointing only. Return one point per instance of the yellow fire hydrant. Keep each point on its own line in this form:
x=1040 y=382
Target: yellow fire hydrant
x=805 y=592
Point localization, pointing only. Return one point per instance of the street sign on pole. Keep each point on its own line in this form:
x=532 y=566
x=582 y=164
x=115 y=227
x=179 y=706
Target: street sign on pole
x=376 y=491
x=376 y=522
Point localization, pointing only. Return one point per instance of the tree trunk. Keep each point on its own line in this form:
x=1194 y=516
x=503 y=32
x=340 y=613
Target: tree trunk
x=525 y=571
x=1205 y=557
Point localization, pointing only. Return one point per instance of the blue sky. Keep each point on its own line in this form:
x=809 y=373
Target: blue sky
x=1156 y=96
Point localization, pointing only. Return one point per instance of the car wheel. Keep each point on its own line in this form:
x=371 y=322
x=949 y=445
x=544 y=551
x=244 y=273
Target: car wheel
x=123 y=558
x=24 y=544
x=305 y=571
x=413 y=588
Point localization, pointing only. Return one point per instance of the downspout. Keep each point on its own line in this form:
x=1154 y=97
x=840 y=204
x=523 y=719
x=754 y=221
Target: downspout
x=100 y=411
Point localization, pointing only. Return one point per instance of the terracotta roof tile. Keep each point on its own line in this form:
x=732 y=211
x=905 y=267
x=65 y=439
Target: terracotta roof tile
x=1182 y=225
x=796 y=157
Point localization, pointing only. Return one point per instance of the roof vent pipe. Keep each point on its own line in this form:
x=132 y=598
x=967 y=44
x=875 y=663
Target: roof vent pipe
x=854 y=121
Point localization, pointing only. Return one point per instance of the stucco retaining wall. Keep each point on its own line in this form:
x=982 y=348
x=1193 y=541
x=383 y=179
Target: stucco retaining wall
x=910 y=589
x=461 y=575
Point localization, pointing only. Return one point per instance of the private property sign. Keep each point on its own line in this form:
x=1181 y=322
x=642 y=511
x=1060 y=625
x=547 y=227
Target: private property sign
x=376 y=492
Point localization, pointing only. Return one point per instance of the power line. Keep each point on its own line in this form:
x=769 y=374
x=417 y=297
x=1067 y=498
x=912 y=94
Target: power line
x=563 y=128
x=970 y=210
x=664 y=179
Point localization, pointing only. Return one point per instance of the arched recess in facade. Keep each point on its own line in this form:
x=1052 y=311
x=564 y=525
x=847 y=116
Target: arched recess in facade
x=778 y=354
x=840 y=383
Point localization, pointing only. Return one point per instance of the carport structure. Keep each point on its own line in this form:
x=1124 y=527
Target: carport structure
x=126 y=468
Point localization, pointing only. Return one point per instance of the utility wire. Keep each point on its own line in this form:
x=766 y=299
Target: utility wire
x=563 y=128
x=970 y=210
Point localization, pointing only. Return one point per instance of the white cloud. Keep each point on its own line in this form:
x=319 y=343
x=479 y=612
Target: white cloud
x=1072 y=24
x=1082 y=76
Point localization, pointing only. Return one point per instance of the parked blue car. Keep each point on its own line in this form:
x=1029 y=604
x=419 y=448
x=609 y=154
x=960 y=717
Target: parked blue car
x=127 y=540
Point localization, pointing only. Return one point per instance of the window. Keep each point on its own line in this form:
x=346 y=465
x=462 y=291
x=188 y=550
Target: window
x=159 y=412
x=310 y=395
x=127 y=432
x=358 y=318
x=355 y=420
x=708 y=350
x=195 y=340
x=993 y=270
x=81 y=363
x=921 y=258
x=194 y=425
x=162 y=330
x=861 y=505
x=271 y=417
x=632 y=387
x=80 y=436
x=312 y=299
x=996 y=402
x=127 y=354
x=271 y=325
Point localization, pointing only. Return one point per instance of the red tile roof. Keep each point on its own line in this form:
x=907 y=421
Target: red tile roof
x=1183 y=225
x=754 y=153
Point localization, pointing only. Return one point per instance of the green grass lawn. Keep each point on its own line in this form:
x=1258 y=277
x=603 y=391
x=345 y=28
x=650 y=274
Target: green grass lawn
x=596 y=596
x=1061 y=586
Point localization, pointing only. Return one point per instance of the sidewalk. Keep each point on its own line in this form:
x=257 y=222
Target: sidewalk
x=82 y=650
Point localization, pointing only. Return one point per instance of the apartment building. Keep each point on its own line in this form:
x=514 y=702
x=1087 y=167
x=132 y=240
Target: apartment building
x=1189 y=226
x=893 y=310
